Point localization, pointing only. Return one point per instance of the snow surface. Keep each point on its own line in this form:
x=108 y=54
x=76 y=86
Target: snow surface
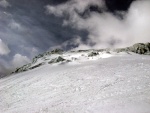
x=107 y=83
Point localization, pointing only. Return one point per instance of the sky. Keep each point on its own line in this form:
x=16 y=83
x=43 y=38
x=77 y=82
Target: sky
x=30 y=27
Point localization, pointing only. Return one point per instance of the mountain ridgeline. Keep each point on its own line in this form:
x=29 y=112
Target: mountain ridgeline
x=58 y=56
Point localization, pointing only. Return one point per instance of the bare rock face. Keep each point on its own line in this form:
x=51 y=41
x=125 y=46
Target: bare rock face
x=36 y=58
x=23 y=68
x=56 y=60
x=140 y=48
x=93 y=54
x=38 y=65
x=56 y=51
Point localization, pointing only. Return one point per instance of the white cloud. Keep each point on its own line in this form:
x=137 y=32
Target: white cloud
x=107 y=30
x=138 y=21
x=19 y=60
x=6 y=67
x=32 y=50
x=4 y=50
x=4 y=3
x=72 y=6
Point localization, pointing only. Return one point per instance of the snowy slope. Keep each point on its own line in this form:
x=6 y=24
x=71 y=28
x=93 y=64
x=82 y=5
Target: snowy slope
x=103 y=83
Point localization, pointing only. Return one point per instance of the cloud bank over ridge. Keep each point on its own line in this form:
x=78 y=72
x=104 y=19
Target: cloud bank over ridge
x=106 y=29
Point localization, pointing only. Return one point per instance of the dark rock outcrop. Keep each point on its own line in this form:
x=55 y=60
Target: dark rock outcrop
x=23 y=68
x=38 y=65
x=140 y=48
x=56 y=60
x=56 y=51
x=93 y=54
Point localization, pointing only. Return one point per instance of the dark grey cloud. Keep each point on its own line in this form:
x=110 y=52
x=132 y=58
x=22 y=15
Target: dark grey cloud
x=118 y=5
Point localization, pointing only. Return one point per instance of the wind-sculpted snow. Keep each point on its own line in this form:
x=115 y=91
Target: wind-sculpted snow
x=104 y=83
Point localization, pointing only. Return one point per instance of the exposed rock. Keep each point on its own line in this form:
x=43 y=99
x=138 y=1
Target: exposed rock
x=38 y=65
x=140 y=48
x=27 y=67
x=56 y=60
x=46 y=53
x=37 y=57
x=93 y=54
x=56 y=51
x=83 y=51
x=34 y=60
x=23 y=68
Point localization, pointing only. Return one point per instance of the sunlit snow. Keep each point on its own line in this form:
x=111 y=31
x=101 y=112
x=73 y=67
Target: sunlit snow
x=111 y=83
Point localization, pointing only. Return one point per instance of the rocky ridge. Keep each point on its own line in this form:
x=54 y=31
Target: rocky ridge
x=59 y=56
